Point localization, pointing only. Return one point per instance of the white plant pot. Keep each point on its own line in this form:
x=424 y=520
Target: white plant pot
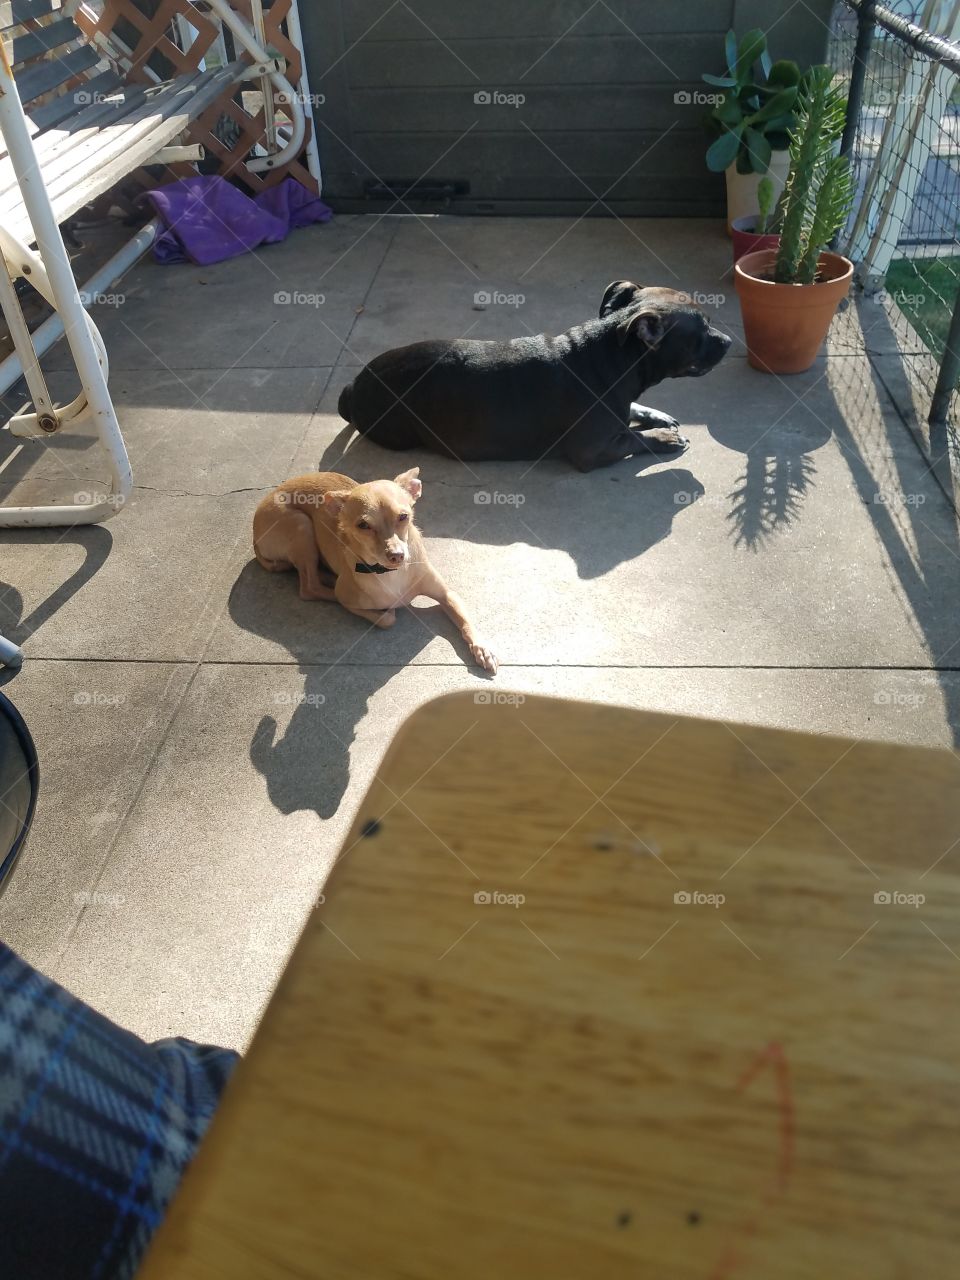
x=742 y=187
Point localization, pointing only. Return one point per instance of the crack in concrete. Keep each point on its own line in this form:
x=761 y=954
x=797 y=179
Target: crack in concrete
x=189 y=493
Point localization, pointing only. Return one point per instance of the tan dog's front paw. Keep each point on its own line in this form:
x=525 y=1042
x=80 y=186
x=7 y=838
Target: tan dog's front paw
x=387 y=618
x=484 y=658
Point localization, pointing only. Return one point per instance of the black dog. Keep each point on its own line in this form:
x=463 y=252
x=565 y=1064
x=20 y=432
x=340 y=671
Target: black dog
x=529 y=398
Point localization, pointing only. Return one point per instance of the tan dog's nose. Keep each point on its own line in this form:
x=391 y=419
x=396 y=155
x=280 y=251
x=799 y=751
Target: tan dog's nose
x=396 y=557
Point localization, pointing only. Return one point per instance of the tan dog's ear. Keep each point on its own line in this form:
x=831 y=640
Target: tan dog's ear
x=647 y=325
x=334 y=499
x=408 y=482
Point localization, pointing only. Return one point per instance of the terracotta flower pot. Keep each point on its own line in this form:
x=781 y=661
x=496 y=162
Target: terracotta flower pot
x=785 y=324
x=742 y=187
x=746 y=240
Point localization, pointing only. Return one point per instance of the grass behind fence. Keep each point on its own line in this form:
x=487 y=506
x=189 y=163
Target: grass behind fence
x=923 y=289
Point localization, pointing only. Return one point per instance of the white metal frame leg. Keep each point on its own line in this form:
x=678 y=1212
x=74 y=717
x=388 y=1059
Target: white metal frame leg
x=51 y=331
x=255 y=49
x=10 y=654
x=50 y=272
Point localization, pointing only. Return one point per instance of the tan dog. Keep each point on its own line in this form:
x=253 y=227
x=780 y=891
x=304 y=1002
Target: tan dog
x=357 y=544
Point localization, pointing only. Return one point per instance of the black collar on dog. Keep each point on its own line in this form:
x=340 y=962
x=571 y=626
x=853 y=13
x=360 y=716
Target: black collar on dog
x=372 y=568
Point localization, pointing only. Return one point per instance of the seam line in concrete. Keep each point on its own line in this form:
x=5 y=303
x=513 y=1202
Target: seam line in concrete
x=134 y=800
x=345 y=341
x=544 y=666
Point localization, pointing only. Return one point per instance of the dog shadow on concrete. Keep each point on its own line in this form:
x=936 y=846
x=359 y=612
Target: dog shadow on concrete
x=306 y=765
x=547 y=504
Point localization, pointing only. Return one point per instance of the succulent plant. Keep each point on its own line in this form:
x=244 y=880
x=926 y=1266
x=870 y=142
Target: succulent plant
x=819 y=188
x=755 y=117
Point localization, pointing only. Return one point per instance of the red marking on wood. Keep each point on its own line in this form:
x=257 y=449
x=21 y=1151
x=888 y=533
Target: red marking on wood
x=774 y=1054
x=733 y=1255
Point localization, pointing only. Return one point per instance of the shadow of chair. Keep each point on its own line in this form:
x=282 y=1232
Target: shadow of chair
x=95 y=541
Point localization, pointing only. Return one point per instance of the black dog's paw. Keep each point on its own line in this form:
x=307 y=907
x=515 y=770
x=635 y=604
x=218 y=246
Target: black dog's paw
x=644 y=419
x=662 y=440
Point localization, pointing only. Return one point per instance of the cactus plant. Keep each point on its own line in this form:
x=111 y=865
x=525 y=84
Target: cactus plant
x=764 y=204
x=819 y=189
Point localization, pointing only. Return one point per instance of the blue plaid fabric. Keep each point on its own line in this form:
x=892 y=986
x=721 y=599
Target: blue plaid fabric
x=96 y=1128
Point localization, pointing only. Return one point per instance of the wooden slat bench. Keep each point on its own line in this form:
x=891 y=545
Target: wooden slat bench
x=90 y=128
x=89 y=152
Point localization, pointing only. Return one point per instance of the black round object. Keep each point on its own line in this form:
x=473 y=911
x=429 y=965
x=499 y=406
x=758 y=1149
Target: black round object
x=19 y=780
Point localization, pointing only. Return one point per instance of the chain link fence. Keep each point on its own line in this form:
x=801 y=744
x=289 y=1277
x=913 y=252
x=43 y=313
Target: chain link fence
x=901 y=64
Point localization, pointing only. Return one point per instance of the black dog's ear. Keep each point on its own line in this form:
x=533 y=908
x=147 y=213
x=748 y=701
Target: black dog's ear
x=647 y=325
x=617 y=295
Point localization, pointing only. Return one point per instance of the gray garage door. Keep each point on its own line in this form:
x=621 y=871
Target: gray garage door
x=524 y=106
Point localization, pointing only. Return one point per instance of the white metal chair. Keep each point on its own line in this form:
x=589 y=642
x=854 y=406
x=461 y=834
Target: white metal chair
x=73 y=148
x=82 y=136
x=11 y=655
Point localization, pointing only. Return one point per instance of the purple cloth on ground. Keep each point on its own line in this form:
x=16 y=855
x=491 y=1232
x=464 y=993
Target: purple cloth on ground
x=207 y=219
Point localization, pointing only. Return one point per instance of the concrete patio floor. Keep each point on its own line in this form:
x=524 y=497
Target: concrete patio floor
x=205 y=737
